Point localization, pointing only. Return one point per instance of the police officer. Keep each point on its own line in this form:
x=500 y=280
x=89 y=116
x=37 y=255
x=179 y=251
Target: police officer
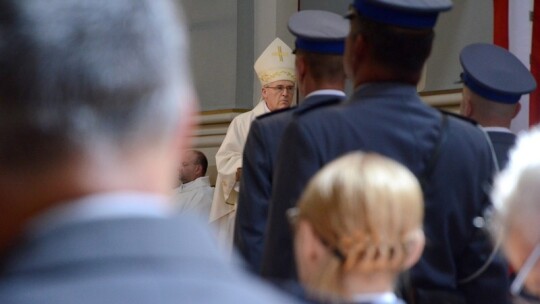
x=388 y=44
x=320 y=42
x=494 y=80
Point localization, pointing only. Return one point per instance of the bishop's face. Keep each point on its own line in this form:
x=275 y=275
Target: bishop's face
x=278 y=94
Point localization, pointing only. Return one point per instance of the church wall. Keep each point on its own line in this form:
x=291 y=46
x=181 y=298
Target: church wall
x=468 y=22
x=221 y=41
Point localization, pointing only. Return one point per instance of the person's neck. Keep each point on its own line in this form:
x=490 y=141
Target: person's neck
x=191 y=181
x=26 y=194
x=485 y=122
x=29 y=194
x=374 y=73
x=359 y=283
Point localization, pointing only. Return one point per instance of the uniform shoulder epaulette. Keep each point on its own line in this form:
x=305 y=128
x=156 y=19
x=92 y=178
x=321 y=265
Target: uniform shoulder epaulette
x=275 y=112
x=305 y=108
x=471 y=121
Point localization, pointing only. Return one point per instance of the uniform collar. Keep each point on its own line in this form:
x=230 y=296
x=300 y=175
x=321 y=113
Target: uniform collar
x=325 y=92
x=376 y=298
x=497 y=129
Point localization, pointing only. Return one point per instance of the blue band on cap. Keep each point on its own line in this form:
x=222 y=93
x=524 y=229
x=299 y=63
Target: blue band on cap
x=488 y=93
x=396 y=17
x=318 y=46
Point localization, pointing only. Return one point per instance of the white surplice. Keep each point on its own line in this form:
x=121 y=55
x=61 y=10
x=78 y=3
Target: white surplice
x=228 y=160
x=195 y=197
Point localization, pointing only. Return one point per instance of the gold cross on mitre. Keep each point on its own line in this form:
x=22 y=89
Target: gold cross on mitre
x=280 y=54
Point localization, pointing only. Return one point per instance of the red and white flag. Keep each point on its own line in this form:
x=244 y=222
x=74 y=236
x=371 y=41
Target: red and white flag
x=514 y=31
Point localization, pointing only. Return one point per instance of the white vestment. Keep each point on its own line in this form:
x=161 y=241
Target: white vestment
x=195 y=197
x=228 y=160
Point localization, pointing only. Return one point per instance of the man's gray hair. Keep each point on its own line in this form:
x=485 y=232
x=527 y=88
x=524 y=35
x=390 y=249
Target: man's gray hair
x=517 y=188
x=74 y=73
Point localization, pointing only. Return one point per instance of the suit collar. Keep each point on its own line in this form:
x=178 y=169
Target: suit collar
x=320 y=98
x=326 y=92
x=316 y=101
x=203 y=181
x=113 y=240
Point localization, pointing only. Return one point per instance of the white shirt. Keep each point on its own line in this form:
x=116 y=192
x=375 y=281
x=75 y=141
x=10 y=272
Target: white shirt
x=379 y=298
x=195 y=196
x=326 y=92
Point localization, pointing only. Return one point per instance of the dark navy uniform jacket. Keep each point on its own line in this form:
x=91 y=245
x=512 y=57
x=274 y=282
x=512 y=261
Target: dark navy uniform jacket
x=390 y=119
x=502 y=142
x=256 y=182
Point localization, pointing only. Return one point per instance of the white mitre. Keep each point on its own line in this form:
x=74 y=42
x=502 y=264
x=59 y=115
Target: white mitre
x=275 y=63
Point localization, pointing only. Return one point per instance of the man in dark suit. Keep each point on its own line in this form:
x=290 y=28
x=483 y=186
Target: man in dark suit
x=494 y=80
x=386 y=48
x=95 y=103
x=320 y=39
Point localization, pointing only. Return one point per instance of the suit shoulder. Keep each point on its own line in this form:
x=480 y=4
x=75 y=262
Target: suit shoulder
x=270 y=114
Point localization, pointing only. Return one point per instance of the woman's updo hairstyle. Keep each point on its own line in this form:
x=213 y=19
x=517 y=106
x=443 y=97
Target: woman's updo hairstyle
x=368 y=210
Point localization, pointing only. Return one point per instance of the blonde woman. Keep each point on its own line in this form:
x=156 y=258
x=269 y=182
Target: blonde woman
x=357 y=226
x=515 y=225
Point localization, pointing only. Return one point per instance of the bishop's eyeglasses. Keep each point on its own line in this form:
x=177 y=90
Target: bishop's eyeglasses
x=281 y=88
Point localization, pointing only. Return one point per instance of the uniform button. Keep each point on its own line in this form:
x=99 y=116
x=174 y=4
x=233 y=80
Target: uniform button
x=479 y=222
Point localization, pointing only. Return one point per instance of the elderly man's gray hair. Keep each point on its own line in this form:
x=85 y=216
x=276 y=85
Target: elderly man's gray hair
x=517 y=188
x=74 y=73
